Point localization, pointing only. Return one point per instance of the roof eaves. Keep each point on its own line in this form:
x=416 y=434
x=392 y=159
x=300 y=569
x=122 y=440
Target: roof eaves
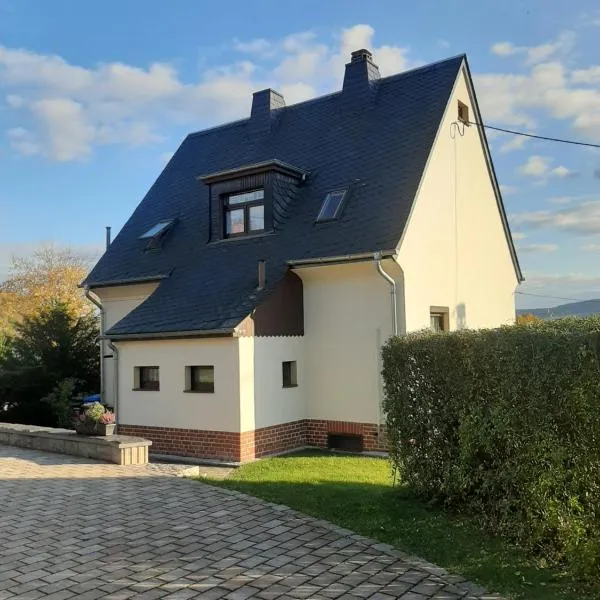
x=348 y=258
x=254 y=168
x=161 y=335
x=127 y=281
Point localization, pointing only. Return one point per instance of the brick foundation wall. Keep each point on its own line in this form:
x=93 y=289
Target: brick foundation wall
x=245 y=446
x=224 y=445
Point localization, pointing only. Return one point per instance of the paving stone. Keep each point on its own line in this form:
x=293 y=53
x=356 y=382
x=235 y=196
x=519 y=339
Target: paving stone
x=77 y=528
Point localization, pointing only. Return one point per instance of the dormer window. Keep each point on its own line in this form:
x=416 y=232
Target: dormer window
x=244 y=213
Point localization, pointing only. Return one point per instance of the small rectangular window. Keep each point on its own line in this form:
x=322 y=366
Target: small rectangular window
x=331 y=206
x=290 y=373
x=438 y=318
x=244 y=213
x=200 y=379
x=463 y=113
x=146 y=378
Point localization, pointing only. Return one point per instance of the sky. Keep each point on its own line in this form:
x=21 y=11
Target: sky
x=96 y=97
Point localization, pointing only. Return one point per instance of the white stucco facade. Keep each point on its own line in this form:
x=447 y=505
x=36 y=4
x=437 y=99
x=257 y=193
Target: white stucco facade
x=172 y=406
x=117 y=302
x=264 y=400
x=454 y=252
x=347 y=317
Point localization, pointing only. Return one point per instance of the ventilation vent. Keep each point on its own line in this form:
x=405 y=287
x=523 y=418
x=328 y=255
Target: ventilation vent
x=345 y=441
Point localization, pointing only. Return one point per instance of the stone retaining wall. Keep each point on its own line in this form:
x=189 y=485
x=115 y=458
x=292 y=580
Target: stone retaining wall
x=119 y=449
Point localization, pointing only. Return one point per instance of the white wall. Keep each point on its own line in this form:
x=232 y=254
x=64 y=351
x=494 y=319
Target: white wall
x=274 y=404
x=347 y=317
x=455 y=252
x=117 y=302
x=171 y=406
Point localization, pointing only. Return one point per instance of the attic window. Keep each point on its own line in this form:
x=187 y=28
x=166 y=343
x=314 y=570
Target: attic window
x=331 y=206
x=463 y=113
x=244 y=213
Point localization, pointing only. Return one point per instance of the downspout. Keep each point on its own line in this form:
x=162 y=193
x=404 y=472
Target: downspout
x=115 y=352
x=99 y=340
x=393 y=294
x=390 y=280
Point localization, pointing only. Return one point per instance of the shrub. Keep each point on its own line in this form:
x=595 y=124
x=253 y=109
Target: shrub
x=46 y=349
x=60 y=401
x=505 y=423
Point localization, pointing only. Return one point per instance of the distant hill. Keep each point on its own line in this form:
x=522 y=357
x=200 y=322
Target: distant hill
x=573 y=309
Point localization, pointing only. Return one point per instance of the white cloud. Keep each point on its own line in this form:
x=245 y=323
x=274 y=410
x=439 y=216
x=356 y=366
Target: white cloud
x=504 y=49
x=63 y=110
x=544 y=248
x=591 y=248
x=546 y=88
x=539 y=167
x=516 y=143
x=537 y=54
x=259 y=46
x=583 y=218
x=23 y=141
x=536 y=166
x=518 y=235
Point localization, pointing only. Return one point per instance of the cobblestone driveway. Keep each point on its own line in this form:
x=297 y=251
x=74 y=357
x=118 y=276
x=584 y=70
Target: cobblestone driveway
x=74 y=528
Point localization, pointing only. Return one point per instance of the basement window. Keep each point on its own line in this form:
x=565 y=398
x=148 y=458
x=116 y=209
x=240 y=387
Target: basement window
x=463 y=113
x=331 y=206
x=244 y=213
x=290 y=373
x=200 y=379
x=146 y=379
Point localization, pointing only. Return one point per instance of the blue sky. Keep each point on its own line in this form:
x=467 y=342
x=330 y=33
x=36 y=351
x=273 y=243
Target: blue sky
x=95 y=97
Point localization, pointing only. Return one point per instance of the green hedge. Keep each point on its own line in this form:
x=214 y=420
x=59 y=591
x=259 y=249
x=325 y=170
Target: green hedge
x=505 y=423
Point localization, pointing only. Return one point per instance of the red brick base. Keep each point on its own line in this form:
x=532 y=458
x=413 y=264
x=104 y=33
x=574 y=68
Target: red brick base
x=245 y=446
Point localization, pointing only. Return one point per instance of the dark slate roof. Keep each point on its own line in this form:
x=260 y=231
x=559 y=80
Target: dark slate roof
x=378 y=150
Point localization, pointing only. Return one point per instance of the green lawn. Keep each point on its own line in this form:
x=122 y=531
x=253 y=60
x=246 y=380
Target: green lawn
x=356 y=493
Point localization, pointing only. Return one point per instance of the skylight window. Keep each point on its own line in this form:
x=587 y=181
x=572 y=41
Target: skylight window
x=157 y=229
x=331 y=206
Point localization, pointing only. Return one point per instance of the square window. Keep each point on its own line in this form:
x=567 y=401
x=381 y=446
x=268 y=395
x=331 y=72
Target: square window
x=200 y=379
x=290 y=373
x=146 y=378
x=331 y=206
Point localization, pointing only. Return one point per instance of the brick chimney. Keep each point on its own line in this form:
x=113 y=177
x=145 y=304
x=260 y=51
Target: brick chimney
x=360 y=76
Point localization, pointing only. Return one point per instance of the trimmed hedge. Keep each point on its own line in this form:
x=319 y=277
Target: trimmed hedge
x=505 y=424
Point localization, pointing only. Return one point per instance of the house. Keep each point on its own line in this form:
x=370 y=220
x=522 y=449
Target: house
x=245 y=301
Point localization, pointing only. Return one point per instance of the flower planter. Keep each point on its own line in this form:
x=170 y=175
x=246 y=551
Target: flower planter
x=84 y=428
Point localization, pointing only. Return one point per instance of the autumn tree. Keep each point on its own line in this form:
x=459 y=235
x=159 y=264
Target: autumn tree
x=527 y=318
x=49 y=275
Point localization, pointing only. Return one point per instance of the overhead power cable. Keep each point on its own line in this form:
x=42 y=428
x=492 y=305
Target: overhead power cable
x=537 y=137
x=552 y=297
